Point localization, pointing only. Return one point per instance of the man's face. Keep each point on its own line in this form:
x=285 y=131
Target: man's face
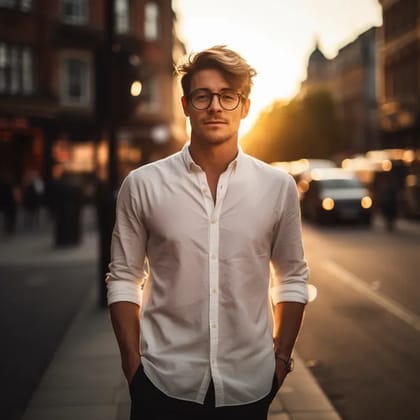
x=213 y=125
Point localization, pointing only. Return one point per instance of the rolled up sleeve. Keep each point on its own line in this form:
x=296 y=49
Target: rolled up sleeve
x=127 y=267
x=289 y=269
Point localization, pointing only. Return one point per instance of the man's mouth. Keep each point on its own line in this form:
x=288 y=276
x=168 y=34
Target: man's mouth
x=209 y=122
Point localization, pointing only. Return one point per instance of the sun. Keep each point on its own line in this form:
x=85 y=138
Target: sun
x=277 y=80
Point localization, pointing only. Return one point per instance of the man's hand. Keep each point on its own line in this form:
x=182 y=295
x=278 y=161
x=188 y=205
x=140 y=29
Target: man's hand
x=130 y=364
x=287 y=320
x=125 y=321
x=281 y=372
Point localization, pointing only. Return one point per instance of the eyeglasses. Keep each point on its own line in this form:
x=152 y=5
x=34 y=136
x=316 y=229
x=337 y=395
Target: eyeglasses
x=201 y=99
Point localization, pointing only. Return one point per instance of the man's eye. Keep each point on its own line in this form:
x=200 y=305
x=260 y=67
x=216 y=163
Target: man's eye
x=201 y=97
x=228 y=97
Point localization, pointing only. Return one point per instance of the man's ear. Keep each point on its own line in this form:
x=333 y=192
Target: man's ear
x=184 y=102
x=245 y=107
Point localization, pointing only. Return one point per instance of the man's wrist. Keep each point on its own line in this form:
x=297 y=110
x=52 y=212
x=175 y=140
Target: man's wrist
x=130 y=353
x=287 y=361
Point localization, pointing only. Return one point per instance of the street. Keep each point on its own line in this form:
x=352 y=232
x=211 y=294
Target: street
x=361 y=336
x=36 y=308
x=42 y=289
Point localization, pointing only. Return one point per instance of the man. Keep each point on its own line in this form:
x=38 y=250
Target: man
x=209 y=221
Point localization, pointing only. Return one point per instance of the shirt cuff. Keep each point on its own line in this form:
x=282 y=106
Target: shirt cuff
x=289 y=293
x=123 y=291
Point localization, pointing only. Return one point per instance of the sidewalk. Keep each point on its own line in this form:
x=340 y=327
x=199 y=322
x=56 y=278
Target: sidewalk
x=84 y=380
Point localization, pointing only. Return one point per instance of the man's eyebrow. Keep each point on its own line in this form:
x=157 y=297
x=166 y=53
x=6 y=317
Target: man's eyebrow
x=209 y=90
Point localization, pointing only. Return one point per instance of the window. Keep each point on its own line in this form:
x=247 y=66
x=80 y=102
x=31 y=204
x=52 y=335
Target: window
x=3 y=68
x=150 y=95
x=76 y=79
x=16 y=70
x=27 y=71
x=23 y=5
x=74 y=12
x=151 y=21
x=122 y=16
x=8 y=3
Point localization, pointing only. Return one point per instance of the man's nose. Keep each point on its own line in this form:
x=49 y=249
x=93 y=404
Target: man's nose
x=215 y=102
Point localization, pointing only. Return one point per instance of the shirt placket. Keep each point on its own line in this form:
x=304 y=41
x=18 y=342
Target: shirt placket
x=213 y=213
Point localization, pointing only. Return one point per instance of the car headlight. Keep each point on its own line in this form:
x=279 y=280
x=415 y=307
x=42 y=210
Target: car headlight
x=303 y=185
x=366 y=202
x=328 y=204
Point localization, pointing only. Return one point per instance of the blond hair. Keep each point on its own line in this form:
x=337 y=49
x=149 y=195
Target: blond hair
x=237 y=72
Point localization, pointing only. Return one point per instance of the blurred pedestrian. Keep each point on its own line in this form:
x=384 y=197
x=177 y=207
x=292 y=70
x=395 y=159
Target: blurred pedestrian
x=8 y=203
x=195 y=325
x=388 y=202
x=33 y=196
x=67 y=211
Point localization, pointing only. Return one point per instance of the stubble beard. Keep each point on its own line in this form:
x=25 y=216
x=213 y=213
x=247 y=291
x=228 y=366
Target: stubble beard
x=214 y=138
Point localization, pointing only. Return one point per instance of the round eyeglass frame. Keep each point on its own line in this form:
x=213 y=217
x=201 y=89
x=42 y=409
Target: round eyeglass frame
x=211 y=95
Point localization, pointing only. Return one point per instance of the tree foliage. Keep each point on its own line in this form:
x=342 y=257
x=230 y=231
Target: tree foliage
x=305 y=127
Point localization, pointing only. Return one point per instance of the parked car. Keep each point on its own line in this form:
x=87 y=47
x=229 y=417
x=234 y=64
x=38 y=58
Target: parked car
x=301 y=171
x=334 y=194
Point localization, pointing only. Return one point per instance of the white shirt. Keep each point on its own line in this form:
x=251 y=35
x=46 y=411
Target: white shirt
x=201 y=272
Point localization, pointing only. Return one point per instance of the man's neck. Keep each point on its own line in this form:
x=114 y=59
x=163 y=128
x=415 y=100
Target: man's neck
x=215 y=158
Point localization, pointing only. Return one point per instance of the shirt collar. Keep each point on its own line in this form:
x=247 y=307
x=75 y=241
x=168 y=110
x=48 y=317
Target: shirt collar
x=188 y=160
x=192 y=166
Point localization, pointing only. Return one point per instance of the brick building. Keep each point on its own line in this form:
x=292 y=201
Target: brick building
x=399 y=73
x=75 y=74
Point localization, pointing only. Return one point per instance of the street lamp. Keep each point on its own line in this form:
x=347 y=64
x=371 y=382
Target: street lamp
x=135 y=88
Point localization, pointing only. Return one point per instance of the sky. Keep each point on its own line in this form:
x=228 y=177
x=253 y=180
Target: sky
x=275 y=36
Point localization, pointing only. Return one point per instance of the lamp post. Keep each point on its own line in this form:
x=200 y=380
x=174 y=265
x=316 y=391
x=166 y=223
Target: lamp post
x=110 y=88
x=120 y=91
x=106 y=194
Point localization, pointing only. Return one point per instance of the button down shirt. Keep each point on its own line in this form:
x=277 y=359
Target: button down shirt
x=203 y=271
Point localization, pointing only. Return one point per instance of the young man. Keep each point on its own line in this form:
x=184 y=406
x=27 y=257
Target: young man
x=196 y=331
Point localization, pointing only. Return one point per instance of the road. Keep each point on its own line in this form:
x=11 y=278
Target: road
x=36 y=307
x=361 y=336
x=41 y=290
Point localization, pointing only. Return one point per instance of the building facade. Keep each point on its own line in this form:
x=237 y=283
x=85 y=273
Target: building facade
x=78 y=75
x=350 y=77
x=399 y=73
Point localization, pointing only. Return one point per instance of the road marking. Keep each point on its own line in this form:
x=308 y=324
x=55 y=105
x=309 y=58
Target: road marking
x=360 y=286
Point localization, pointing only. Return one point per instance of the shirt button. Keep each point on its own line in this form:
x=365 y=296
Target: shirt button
x=213 y=221
x=213 y=256
x=213 y=290
x=213 y=325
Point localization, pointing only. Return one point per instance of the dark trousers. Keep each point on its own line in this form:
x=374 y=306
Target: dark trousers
x=149 y=403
